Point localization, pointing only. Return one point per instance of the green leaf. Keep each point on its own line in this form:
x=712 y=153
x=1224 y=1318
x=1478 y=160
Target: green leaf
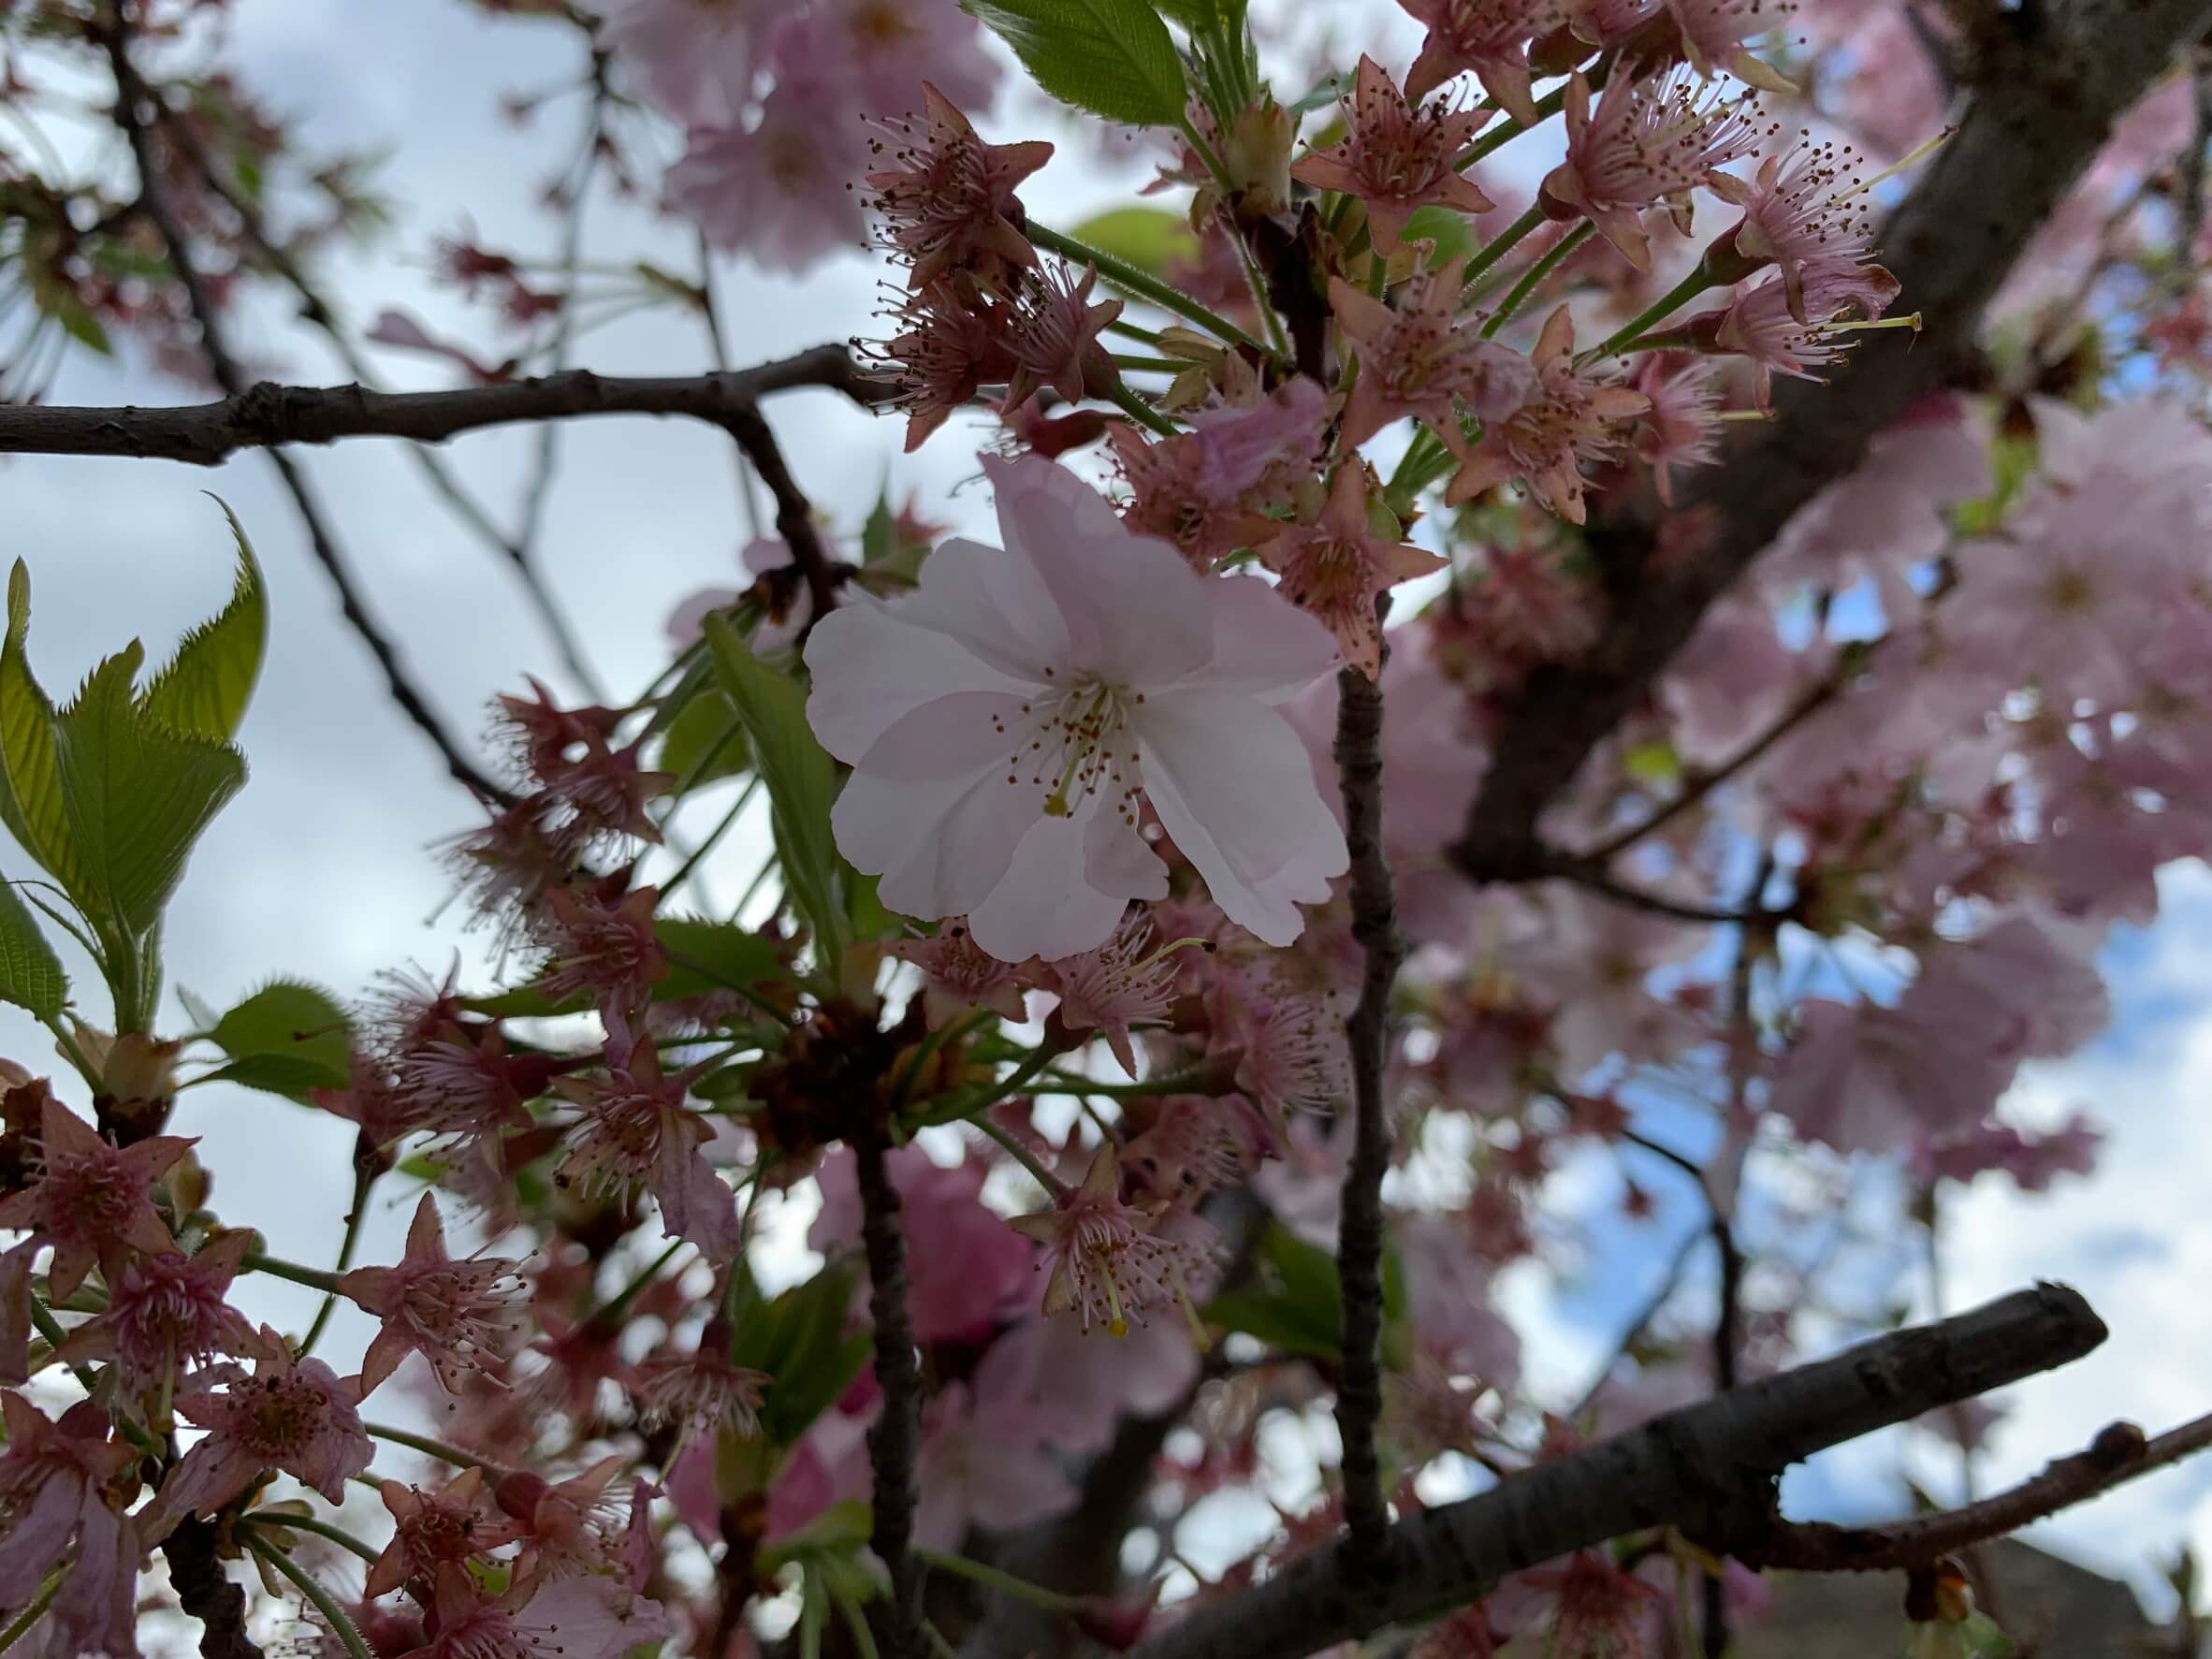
x=800 y=1340
x=203 y=690
x=712 y=956
x=1144 y=236
x=287 y=1038
x=705 y=742
x=1294 y=1304
x=1111 y=57
x=879 y=535
x=801 y=778
x=136 y=796
x=30 y=973
x=31 y=801
x=1453 y=232
x=840 y=1529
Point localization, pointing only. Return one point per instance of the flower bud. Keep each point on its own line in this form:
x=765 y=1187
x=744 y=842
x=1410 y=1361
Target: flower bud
x=1257 y=156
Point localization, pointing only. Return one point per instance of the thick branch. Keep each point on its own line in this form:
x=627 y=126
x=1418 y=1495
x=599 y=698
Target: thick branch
x=264 y=415
x=2060 y=76
x=2119 y=1454
x=894 y=1443
x=1359 y=1234
x=206 y=1592
x=1708 y=1467
x=132 y=96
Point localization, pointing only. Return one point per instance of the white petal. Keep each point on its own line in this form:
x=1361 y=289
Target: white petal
x=872 y=665
x=1136 y=613
x=1116 y=859
x=1045 y=905
x=1264 y=645
x=929 y=809
x=1233 y=786
x=993 y=603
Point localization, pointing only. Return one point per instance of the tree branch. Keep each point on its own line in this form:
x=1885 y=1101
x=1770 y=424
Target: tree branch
x=2058 y=80
x=2119 y=1454
x=1708 y=1467
x=206 y=1592
x=795 y=514
x=896 y=1441
x=263 y=416
x=1360 y=1233
x=131 y=94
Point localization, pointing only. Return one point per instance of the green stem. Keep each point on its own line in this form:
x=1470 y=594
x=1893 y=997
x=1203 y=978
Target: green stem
x=683 y=872
x=1535 y=274
x=1052 y=1184
x=315 y=1278
x=428 y=1448
x=1551 y=104
x=1143 y=412
x=1130 y=331
x=332 y=1614
x=937 y=1645
x=1183 y=1083
x=77 y=1056
x=618 y=1304
x=1680 y=294
x=1000 y=1579
x=364 y=1178
x=1502 y=245
x=322 y=1529
x=1121 y=274
x=20 y=1626
x=1137 y=365
x=863 y=1639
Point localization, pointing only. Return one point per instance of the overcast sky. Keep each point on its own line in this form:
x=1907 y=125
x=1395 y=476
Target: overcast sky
x=326 y=867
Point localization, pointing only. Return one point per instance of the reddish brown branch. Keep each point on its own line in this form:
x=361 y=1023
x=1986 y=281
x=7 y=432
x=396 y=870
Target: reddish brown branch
x=206 y=1592
x=795 y=514
x=2117 y=1455
x=894 y=1443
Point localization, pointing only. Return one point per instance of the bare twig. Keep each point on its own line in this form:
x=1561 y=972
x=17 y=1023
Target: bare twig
x=1359 y=1234
x=795 y=514
x=2119 y=1454
x=132 y=97
x=207 y=1592
x=896 y=1441
x=1708 y=1467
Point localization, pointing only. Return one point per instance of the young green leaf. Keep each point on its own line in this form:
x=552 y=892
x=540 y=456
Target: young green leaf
x=203 y=690
x=31 y=800
x=30 y=973
x=705 y=742
x=1112 y=57
x=801 y=778
x=1147 y=237
x=287 y=1038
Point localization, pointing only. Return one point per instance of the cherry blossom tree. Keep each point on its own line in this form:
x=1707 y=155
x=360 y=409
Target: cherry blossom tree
x=1577 y=581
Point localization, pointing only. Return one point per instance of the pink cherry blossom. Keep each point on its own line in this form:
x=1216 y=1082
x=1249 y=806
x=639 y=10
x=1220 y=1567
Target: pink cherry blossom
x=1801 y=211
x=974 y=1274
x=578 y=1617
x=986 y=1458
x=1714 y=33
x=294 y=1415
x=1569 y=421
x=166 y=1313
x=460 y=1316
x=940 y=353
x=567 y=1527
x=1205 y=491
x=2033 y=1161
x=959 y=975
x=1488 y=37
x=1053 y=335
x=1007 y=719
x=1125 y=981
x=1336 y=566
x=433 y=1528
x=701 y=1391
x=1423 y=360
x=1649 y=143
x=1680 y=426
x=1762 y=327
x=1395 y=157
x=776 y=191
x=1108 y=1264
x=947 y=198
x=882 y=51
x=53 y=1491
x=92 y=1202
x=695 y=58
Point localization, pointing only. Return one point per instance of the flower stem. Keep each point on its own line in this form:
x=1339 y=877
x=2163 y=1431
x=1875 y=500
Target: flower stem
x=1551 y=104
x=1680 y=294
x=1022 y=1155
x=1138 y=364
x=752 y=787
x=428 y=1448
x=76 y=1055
x=1130 y=331
x=315 y=1278
x=20 y=1626
x=332 y=1614
x=1500 y=245
x=1000 y=1579
x=1121 y=274
x=1143 y=412
x=364 y=1178
x=1535 y=274
x=612 y=1310
x=322 y=1529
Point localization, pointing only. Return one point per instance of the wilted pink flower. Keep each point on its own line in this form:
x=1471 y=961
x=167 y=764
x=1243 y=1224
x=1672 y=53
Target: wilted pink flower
x=567 y=1527
x=1194 y=1146
x=396 y=328
x=460 y=1315
x=1567 y=420
x=166 y=1313
x=1761 y=328
x=1649 y=143
x=939 y=356
x=1335 y=566
x=1602 y=1610
x=602 y=943
x=1108 y=1265
x=1680 y=426
x=1422 y=360
x=1205 y=491
x=1394 y=158
x=701 y=1391
x=92 y=1202
x=1488 y=37
x=588 y=1616
x=637 y=1131
x=1053 y=335
x=1797 y=218
x=1714 y=31
x=1293 y=1054
x=432 y=1528
x=948 y=197
x=1121 y=984
x=54 y=1482
x=959 y=975
x=779 y=190
x=964 y=1286
x=1006 y=720
x=294 y=1415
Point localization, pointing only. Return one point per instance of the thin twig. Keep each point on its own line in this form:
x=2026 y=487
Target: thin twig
x=131 y=96
x=1360 y=1238
x=896 y=1441
x=794 y=512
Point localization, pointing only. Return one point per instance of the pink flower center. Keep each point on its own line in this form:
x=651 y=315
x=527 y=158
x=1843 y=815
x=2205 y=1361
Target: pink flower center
x=1073 y=753
x=91 y=1195
x=277 y=1417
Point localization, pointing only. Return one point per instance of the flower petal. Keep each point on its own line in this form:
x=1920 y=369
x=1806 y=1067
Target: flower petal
x=873 y=663
x=1263 y=645
x=1046 y=905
